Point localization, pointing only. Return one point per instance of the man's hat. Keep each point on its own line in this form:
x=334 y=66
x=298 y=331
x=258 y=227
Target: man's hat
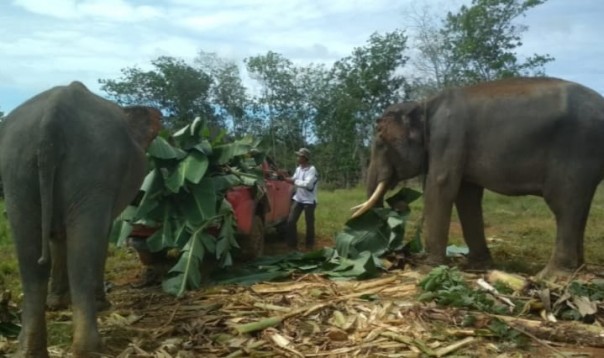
x=303 y=152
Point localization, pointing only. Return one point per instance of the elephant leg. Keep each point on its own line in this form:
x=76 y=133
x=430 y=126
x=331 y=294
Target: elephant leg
x=102 y=303
x=87 y=237
x=58 y=295
x=440 y=193
x=469 y=209
x=34 y=279
x=571 y=209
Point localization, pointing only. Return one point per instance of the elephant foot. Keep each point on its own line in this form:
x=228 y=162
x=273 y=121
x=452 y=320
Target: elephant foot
x=434 y=260
x=30 y=347
x=424 y=263
x=57 y=302
x=424 y=269
x=87 y=353
x=555 y=273
x=478 y=264
x=31 y=354
x=90 y=349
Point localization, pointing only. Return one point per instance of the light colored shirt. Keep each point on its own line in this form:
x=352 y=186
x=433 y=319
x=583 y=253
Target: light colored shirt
x=305 y=181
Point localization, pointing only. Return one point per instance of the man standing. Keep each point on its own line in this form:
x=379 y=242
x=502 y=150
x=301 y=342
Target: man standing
x=305 y=199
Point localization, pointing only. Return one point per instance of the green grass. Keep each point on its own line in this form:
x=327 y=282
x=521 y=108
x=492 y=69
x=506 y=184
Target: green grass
x=520 y=230
x=333 y=209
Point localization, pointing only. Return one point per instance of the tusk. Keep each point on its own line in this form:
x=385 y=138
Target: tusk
x=356 y=207
x=370 y=203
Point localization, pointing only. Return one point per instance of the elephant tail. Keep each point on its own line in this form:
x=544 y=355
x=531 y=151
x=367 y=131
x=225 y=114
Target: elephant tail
x=46 y=176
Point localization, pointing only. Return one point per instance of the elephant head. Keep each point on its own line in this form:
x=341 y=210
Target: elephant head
x=398 y=151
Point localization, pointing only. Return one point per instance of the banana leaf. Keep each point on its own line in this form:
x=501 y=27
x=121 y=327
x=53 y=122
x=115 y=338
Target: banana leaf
x=226 y=152
x=370 y=232
x=194 y=167
x=160 y=148
x=164 y=237
x=186 y=274
x=198 y=205
x=365 y=265
x=226 y=238
x=181 y=233
x=152 y=188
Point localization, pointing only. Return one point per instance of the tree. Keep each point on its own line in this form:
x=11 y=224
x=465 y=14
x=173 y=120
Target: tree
x=431 y=66
x=280 y=103
x=179 y=90
x=482 y=39
x=228 y=95
x=478 y=43
x=362 y=86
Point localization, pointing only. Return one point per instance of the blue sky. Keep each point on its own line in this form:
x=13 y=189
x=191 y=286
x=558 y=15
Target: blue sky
x=51 y=42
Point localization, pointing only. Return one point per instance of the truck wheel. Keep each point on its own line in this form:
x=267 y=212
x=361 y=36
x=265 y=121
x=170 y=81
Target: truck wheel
x=252 y=246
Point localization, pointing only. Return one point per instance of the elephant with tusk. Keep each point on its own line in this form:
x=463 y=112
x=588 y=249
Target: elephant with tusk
x=70 y=162
x=518 y=136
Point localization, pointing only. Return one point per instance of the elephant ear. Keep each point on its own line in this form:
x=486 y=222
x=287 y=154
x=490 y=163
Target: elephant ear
x=144 y=123
x=413 y=120
x=401 y=121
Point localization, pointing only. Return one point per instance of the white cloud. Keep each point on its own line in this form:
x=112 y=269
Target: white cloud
x=115 y=10
x=214 y=20
x=64 y=9
x=118 y=10
x=166 y=45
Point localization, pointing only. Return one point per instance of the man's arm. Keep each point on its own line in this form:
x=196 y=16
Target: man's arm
x=309 y=180
x=292 y=179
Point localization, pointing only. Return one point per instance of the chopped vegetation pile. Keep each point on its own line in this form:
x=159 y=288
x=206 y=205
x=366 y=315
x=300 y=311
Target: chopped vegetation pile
x=313 y=316
x=514 y=295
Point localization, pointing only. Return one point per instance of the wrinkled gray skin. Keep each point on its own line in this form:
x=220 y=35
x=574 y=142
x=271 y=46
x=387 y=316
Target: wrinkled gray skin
x=70 y=162
x=526 y=136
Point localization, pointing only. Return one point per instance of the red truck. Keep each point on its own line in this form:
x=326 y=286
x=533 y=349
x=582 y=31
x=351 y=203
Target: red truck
x=253 y=215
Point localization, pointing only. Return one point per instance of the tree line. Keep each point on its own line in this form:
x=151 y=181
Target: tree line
x=331 y=108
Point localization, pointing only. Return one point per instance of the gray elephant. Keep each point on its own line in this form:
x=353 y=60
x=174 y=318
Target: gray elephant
x=70 y=162
x=521 y=136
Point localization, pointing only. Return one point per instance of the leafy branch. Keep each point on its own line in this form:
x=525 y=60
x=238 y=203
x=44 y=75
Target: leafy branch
x=183 y=198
